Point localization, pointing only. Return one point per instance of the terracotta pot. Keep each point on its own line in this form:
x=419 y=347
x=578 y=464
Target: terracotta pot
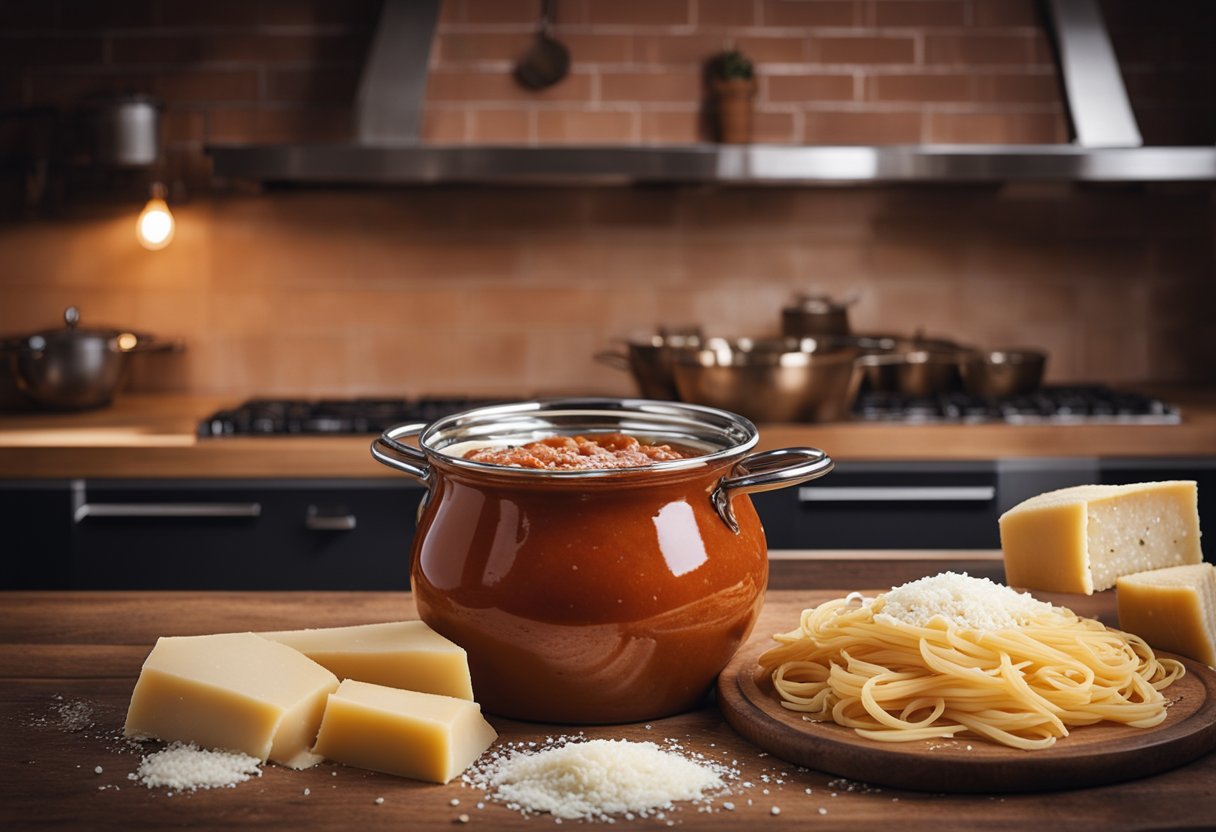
x=733 y=104
x=592 y=596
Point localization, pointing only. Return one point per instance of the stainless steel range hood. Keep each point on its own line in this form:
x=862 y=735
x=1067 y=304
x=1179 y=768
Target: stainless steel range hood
x=1108 y=146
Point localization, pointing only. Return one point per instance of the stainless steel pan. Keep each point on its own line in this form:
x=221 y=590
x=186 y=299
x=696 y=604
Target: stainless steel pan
x=770 y=379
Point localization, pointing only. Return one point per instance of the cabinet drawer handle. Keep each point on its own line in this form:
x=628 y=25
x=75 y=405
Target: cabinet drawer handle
x=896 y=494
x=167 y=510
x=317 y=521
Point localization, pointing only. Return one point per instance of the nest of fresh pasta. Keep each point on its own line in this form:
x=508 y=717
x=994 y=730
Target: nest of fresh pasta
x=955 y=656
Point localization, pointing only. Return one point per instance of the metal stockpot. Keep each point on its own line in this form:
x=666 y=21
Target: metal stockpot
x=770 y=379
x=74 y=368
x=816 y=315
x=592 y=596
x=1004 y=372
x=649 y=359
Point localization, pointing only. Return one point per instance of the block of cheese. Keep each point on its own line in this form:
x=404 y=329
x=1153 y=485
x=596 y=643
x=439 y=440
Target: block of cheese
x=234 y=691
x=1082 y=539
x=403 y=732
x=1172 y=609
x=398 y=654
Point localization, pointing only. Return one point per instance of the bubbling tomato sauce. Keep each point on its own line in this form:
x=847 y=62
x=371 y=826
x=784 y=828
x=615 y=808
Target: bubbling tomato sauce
x=579 y=453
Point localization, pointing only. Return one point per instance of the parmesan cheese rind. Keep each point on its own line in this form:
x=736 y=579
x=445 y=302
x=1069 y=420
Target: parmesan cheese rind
x=1082 y=539
x=1172 y=609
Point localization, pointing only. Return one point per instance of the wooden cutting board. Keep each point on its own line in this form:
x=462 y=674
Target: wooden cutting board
x=1090 y=756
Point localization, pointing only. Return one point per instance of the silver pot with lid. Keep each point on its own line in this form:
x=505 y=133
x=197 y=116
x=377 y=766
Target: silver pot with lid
x=74 y=367
x=813 y=315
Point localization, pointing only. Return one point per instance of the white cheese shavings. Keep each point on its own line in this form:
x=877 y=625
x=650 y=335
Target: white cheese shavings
x=186 y=767
x=595 y=779
x=962 y=601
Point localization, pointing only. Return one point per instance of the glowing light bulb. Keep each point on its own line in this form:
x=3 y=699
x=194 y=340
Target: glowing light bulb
x=155 y=226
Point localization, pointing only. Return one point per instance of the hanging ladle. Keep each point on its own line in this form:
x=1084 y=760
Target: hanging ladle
x=547 y=61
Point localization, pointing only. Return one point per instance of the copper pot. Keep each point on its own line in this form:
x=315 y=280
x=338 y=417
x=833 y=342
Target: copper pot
x=592 y=596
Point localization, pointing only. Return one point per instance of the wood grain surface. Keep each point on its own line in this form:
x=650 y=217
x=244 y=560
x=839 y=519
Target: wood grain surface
x=1092 y=755
x=154 y=436
x=68 y=663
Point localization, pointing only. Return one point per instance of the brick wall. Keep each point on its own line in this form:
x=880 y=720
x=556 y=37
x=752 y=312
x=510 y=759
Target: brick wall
x=830 y=71
x=851 y=71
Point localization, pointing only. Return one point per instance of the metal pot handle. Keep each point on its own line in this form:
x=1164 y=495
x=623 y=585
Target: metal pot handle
x=389 y=450
x=150 y=343
x=615 y=360
x=766 y=471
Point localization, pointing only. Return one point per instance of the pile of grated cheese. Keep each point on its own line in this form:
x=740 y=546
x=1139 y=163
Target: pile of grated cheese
x=963 y=601
x=186 y=767
x=595 y=779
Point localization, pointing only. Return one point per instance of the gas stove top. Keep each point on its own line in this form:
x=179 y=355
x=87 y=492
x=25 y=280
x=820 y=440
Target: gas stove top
x=1050 y=405
x=332 y=417
x=1080 y=405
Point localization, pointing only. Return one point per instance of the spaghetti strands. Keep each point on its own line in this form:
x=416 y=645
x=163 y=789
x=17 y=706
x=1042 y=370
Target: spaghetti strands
x=912 y=664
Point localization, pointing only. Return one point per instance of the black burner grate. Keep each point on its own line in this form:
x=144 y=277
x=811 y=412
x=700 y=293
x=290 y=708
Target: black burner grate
x=287 y=417
x=1080 y=404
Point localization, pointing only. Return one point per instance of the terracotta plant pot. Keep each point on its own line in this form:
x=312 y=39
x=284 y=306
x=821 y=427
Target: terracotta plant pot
x=733 y=105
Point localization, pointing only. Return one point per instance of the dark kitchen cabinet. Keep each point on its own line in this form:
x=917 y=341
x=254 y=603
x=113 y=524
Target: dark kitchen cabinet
x=250 y=534
x=948 y=505
x=224 y=534
x=887 y=505
x=35 y=518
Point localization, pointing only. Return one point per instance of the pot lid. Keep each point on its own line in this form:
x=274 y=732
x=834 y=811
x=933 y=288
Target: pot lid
x=822 y=304
x=124 y=339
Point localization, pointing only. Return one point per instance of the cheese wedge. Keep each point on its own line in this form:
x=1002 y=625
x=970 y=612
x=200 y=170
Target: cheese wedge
x=1082 y=539
x=402 y=732
x=233 y=691
x=398 y=654
x=1172 y=609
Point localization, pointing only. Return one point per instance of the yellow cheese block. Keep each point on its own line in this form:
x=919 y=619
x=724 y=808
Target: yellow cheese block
x=1082 y=539
x=1172 y=609
x=399 y=654
x=234 y=691
x=403 y=732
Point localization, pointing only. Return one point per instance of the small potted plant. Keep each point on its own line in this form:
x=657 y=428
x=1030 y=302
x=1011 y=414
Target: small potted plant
x=733 y=84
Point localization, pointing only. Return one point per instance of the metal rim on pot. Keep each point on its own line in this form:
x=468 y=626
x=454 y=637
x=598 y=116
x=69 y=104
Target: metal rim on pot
x=784 y=352
x=722 y=433
x=726 y=436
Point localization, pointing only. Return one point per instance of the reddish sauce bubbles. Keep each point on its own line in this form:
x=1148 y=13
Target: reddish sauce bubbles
x=577 y=453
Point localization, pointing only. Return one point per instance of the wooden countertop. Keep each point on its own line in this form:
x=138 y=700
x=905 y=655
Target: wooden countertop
x=154 y=436
x=68 y=663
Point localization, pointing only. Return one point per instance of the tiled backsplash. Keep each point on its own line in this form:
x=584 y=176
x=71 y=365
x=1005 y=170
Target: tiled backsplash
x=508 y=291
x=488 y=290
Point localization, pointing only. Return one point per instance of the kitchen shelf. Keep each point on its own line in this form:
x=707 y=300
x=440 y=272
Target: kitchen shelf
x=757 y=164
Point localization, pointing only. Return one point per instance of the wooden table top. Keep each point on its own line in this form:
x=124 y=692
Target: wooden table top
x=68 y=663
x=145 y=435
